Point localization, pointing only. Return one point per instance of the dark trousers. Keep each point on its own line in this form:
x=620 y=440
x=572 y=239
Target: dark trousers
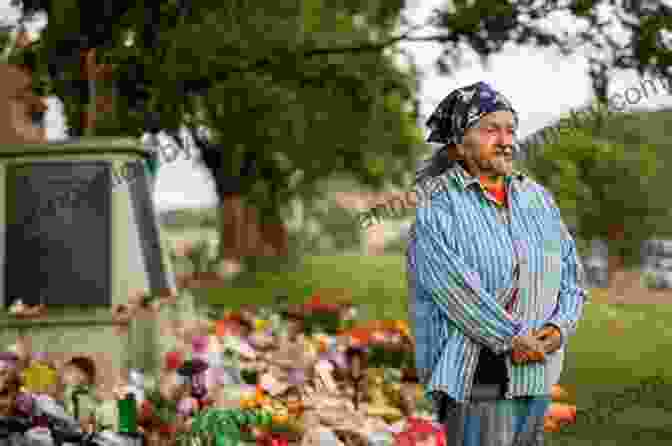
x=489 y=419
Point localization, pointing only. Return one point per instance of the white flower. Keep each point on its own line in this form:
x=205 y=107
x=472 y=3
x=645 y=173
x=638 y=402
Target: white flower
x=378 y=336
x=351 y=314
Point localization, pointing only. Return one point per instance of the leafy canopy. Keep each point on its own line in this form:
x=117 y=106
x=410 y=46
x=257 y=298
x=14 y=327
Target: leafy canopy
x=601 y=187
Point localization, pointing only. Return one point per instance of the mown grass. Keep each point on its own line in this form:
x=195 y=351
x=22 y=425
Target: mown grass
x=616 y=346
x=377 y=283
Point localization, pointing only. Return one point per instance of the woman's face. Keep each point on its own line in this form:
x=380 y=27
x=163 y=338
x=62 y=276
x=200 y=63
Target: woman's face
x=487 y=148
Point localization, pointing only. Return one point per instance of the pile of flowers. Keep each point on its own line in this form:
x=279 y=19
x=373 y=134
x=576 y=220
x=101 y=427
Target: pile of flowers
x=277 y=374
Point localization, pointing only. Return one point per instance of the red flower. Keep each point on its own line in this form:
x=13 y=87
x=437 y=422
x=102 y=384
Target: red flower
x=146 y=413
x=168 y=429
x=319 y=306
x=173 y=360
x=279 y=440
x=418 y=430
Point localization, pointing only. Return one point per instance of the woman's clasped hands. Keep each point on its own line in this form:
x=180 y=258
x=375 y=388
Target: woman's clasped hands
x=533 y=347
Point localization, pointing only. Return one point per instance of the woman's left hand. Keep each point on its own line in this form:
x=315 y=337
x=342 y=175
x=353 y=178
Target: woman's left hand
x=551 y=338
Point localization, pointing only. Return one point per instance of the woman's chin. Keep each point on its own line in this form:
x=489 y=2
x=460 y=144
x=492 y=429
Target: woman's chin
x=503 y=167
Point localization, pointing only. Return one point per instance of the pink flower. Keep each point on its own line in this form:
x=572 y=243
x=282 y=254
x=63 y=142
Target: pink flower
x=24 y=403
x=200 y=344
x=186 y=406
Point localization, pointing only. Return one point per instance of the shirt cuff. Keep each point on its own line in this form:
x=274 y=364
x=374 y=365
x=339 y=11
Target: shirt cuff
x=561 y=329
x=507 y=346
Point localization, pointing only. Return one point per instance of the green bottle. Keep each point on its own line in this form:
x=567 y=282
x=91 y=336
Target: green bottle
x=128 y=415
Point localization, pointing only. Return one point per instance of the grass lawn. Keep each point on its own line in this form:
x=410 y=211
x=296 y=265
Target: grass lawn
x=615 y=347
x=377 y=282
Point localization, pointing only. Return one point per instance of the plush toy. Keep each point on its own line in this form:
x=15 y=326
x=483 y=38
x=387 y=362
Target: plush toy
x=10 y=384
x=80 y=400
x=20 y=310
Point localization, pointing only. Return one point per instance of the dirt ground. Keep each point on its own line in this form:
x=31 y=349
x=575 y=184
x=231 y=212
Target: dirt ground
x=626 y=288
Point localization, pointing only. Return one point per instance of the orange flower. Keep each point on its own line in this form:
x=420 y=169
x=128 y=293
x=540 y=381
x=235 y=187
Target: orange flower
x=402 y=327
x=551 y=425
x=558 y=393
x=260 y=397
x=221 y=328
x=280 y=418
x=563 y=413
x=248 y=403
x=359 y=335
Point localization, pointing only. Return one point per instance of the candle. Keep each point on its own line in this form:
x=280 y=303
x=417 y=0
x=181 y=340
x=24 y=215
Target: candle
x=128 y=416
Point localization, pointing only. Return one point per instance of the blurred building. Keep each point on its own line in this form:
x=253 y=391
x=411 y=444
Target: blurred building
x=22 y=113
x=376 y=236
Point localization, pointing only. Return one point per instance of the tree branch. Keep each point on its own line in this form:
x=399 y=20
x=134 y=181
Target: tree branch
x=364 y=47
x=441 y=38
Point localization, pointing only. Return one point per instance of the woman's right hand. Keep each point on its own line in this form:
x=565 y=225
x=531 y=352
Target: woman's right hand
x=528 y=342
x=527 y=348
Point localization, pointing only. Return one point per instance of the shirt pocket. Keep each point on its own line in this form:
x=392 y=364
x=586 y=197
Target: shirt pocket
x=552 y=237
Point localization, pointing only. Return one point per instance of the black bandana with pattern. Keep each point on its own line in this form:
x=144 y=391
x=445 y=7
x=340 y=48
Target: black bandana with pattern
x=459 y=111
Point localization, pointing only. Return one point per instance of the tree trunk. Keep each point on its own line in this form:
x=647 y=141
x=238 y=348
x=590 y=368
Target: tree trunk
x=615 y=258
x=242 y=234
x=231 y=220
x=88 y=74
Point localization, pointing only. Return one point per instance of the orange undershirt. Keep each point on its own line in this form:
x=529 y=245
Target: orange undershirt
x=498 y=191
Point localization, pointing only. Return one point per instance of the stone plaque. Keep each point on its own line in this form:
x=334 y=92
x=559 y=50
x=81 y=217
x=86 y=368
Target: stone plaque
x=58 y=233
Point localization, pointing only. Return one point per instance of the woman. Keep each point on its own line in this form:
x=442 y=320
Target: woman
x=493 y=276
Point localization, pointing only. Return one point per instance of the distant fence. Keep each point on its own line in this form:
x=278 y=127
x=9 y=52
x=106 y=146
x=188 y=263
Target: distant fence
x=657 y=264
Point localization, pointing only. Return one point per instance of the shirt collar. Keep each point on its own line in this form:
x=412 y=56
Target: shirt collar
x=464 y=179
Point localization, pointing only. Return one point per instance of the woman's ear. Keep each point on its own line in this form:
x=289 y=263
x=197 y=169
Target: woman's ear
x=456 y=152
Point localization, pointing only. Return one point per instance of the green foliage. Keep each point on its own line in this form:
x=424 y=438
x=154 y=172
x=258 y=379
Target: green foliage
x=325 y=227
x=271 y=81
x=200 y=257
x=5 y=39
x=398 y=245
x=648 y=128
x=598 y=184
x=309 y=88
x=189 y=218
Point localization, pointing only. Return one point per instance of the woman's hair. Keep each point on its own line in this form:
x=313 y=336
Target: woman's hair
x=441 y=161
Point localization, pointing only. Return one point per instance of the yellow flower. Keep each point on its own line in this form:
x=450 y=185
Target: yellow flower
x=260 y=324
x=38 y=378
x=402 y=327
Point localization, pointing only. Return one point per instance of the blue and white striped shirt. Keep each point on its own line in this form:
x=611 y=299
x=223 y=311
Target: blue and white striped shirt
x=460 y=261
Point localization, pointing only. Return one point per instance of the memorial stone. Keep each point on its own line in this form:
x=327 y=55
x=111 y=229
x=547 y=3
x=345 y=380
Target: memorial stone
x=78 y=233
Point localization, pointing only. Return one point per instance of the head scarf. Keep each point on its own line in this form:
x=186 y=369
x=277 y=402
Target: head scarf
x=459 y=111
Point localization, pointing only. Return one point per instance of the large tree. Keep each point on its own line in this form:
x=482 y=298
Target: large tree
x=304 y=89
x=280 y=119
x=603 y=189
